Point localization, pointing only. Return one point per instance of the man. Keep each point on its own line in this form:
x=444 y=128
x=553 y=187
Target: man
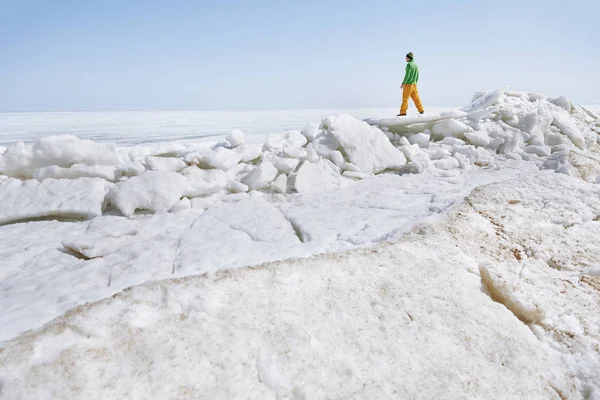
x=409 y=86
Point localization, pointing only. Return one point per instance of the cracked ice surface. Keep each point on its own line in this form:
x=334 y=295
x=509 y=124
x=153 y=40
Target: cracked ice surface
x=50 y=267
x=498 y=284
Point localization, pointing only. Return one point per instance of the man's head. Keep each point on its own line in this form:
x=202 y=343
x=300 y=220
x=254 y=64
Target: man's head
x=409 y=57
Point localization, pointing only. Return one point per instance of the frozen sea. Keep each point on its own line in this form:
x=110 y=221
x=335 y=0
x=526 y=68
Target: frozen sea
x=143 y=127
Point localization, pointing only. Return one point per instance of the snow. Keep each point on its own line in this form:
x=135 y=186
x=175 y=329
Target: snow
x=419 y=308
x=485 y=214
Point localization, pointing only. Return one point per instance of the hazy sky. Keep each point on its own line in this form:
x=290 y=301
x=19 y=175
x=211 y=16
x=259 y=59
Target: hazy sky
x=253 y=54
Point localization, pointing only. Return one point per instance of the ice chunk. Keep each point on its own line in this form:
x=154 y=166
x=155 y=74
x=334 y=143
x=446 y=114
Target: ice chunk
x=285 y=165
x=311 y=132
x=182 y=205
x=337 y=158
x=237 y=187
x=542 y=151
x=484 y=101
x=415 y=119
x=447 y=163
x=80 y=198
x=235 y=138
x=350 y=167
x=449 y=127
x=366 y=146
x=222 y=158
x=286 y=140
x=261 y=176
x=203 y=203
x=152 y=190
x=561 y=101
x=536 y=97
x=167 y=164
x=437 y=153
x=356 y=175
x=563 y=122
x=279 y=185
x=422 y=139
x=21 y=160
x=201 y=181
x=403 y=141
x=478 y=138
x=107 y=172
x=560 y=163
x=249 y=152
x=419 y=160
x=315 y=177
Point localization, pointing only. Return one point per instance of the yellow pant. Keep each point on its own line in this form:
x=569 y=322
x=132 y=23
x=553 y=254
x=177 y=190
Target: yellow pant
x=412 y=92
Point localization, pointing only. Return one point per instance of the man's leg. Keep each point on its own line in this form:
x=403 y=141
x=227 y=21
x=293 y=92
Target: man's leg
x=405 y=95
x=415 y=97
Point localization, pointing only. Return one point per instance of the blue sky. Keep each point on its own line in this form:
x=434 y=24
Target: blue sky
x=171 y=55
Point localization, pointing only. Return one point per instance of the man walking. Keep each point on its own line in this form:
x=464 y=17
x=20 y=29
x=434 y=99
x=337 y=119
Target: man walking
x=409 y=86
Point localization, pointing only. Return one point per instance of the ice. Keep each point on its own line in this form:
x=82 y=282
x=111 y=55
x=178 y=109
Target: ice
x=316 y=177
x=542 y=151
x=167 y=164
x=287 y=141
x=520 y=250
x=415 y=119
x=260 y=176
x=58 y=198
x=478 y=138
x=107 y=172
x=422 y=139
x=366 y=147
x=152 y=190
x=484 y=100
x=563 y=122
x=249 y=152
x=201 y=182
x=311 y=132
x=21 y=160
x=235 y=138
x=420 y=307
x=447 y=163
x=284 y=164
x=449 y=127
x=561 y=101
x=279 y=185
x=222 y=158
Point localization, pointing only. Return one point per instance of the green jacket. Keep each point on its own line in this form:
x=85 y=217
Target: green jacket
x=412 y=73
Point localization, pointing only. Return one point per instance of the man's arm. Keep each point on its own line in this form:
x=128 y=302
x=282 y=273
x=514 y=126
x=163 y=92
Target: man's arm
x=405 y=76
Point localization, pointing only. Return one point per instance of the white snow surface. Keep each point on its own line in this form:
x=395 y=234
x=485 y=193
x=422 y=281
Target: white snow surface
x=490 y=214
x=495 y=288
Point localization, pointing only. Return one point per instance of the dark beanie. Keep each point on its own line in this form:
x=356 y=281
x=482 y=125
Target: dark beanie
x=410 y=55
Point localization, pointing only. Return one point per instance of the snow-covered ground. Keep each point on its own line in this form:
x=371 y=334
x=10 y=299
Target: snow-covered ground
x=490 y=217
